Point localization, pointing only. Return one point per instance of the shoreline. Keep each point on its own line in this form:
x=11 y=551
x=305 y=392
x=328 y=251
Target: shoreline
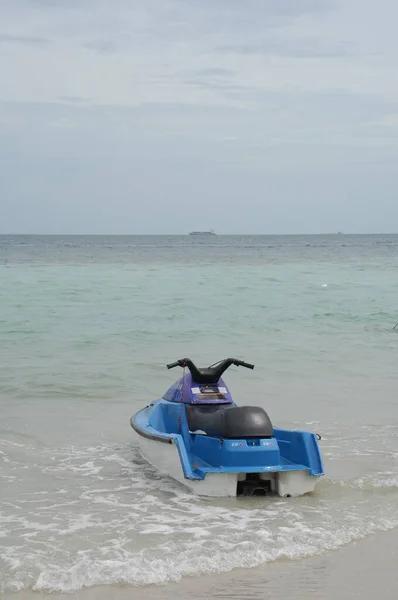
x=363 y=569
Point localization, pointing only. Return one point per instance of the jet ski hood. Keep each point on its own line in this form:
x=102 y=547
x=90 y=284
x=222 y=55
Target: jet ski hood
x=188 y=391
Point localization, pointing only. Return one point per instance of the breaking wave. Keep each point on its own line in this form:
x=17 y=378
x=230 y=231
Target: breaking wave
x=106 y=517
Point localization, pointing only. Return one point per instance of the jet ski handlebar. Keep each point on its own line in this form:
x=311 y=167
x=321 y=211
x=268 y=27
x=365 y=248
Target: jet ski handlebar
x=209 y=374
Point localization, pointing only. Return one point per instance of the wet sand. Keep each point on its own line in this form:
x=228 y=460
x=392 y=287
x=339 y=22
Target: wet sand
x=366 y=570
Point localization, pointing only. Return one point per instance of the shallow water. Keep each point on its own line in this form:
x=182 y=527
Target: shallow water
x=87 y=325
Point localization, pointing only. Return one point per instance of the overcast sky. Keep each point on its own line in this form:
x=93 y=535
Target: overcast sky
x=163 y=116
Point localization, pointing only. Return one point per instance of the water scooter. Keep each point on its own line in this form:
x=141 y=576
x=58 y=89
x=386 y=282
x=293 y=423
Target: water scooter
x=199 y=436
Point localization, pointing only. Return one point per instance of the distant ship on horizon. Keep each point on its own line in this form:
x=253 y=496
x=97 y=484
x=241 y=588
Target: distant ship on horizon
x=210 y=232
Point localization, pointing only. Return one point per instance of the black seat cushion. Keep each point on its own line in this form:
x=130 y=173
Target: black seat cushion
x=229 y=422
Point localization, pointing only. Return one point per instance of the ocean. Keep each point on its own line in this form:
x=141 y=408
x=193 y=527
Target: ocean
x=87 y=325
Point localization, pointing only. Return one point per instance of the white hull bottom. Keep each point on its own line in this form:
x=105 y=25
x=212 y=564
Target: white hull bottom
x=166 y=459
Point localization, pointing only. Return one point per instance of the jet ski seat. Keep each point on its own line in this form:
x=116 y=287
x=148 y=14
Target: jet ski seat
x=229 y=422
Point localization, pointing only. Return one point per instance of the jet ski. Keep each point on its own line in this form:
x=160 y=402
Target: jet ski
x=196 y=434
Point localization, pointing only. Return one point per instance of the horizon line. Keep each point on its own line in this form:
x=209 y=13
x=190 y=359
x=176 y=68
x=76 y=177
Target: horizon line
x=335 y=233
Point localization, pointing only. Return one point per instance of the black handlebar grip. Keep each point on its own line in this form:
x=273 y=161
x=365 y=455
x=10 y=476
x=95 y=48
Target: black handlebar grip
x=247 y=365
x=172 y=365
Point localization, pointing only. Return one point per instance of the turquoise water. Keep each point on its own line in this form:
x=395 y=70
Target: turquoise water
x=87 y=325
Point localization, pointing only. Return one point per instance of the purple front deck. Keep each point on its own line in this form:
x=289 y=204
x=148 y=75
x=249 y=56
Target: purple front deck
x=198 y=393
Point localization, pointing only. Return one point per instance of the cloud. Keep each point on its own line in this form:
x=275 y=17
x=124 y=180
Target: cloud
x=74 y=99
x=101 y=46
x=24 y=40
x=248 y=102
x=63 y=123
x=215 y=72
x=213 y=79
x=296 y=48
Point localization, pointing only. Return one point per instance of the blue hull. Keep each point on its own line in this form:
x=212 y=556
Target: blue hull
x=200 y=455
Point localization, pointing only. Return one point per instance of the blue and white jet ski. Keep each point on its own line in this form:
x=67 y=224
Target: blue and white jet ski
x=199 y=436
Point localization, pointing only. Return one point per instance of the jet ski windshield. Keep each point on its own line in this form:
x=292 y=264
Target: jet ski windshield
x=210 y=374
